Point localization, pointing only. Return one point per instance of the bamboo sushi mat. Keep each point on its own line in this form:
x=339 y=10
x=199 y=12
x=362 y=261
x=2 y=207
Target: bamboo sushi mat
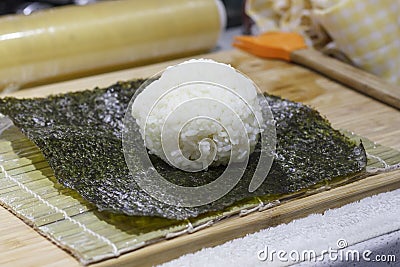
x=29 y=189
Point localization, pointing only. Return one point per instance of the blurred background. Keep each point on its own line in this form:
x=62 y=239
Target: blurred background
x=234 y=8
x=40 y=42
x=28 y=7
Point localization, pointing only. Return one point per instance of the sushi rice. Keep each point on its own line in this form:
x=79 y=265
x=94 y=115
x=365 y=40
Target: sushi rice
x=199 y=113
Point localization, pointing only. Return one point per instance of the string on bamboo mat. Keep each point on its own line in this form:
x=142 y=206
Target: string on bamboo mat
x=63 y=212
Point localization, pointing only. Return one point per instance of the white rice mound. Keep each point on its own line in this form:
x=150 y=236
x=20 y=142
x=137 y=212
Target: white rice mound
x=200 y=141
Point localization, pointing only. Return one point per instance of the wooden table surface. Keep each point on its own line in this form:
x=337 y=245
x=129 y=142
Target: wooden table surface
x=20 y=245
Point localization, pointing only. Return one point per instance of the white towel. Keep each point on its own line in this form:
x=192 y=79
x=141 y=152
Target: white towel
x=351 y=224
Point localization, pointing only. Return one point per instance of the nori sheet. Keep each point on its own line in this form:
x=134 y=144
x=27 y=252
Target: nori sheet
x=80 y=136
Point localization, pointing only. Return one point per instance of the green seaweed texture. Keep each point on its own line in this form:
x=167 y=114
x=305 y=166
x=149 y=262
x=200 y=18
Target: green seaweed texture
x=80 y=134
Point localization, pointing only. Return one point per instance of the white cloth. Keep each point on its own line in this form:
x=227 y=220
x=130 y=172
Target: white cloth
x=354 y=223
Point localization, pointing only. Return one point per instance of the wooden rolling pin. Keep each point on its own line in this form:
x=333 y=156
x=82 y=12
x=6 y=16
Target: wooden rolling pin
x=74 y=41
x=291 y=47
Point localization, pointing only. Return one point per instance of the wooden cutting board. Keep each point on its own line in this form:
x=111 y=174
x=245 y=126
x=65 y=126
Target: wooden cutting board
x=345 y=108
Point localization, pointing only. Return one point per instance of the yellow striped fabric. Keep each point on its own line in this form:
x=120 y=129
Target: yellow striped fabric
x=367 y=31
